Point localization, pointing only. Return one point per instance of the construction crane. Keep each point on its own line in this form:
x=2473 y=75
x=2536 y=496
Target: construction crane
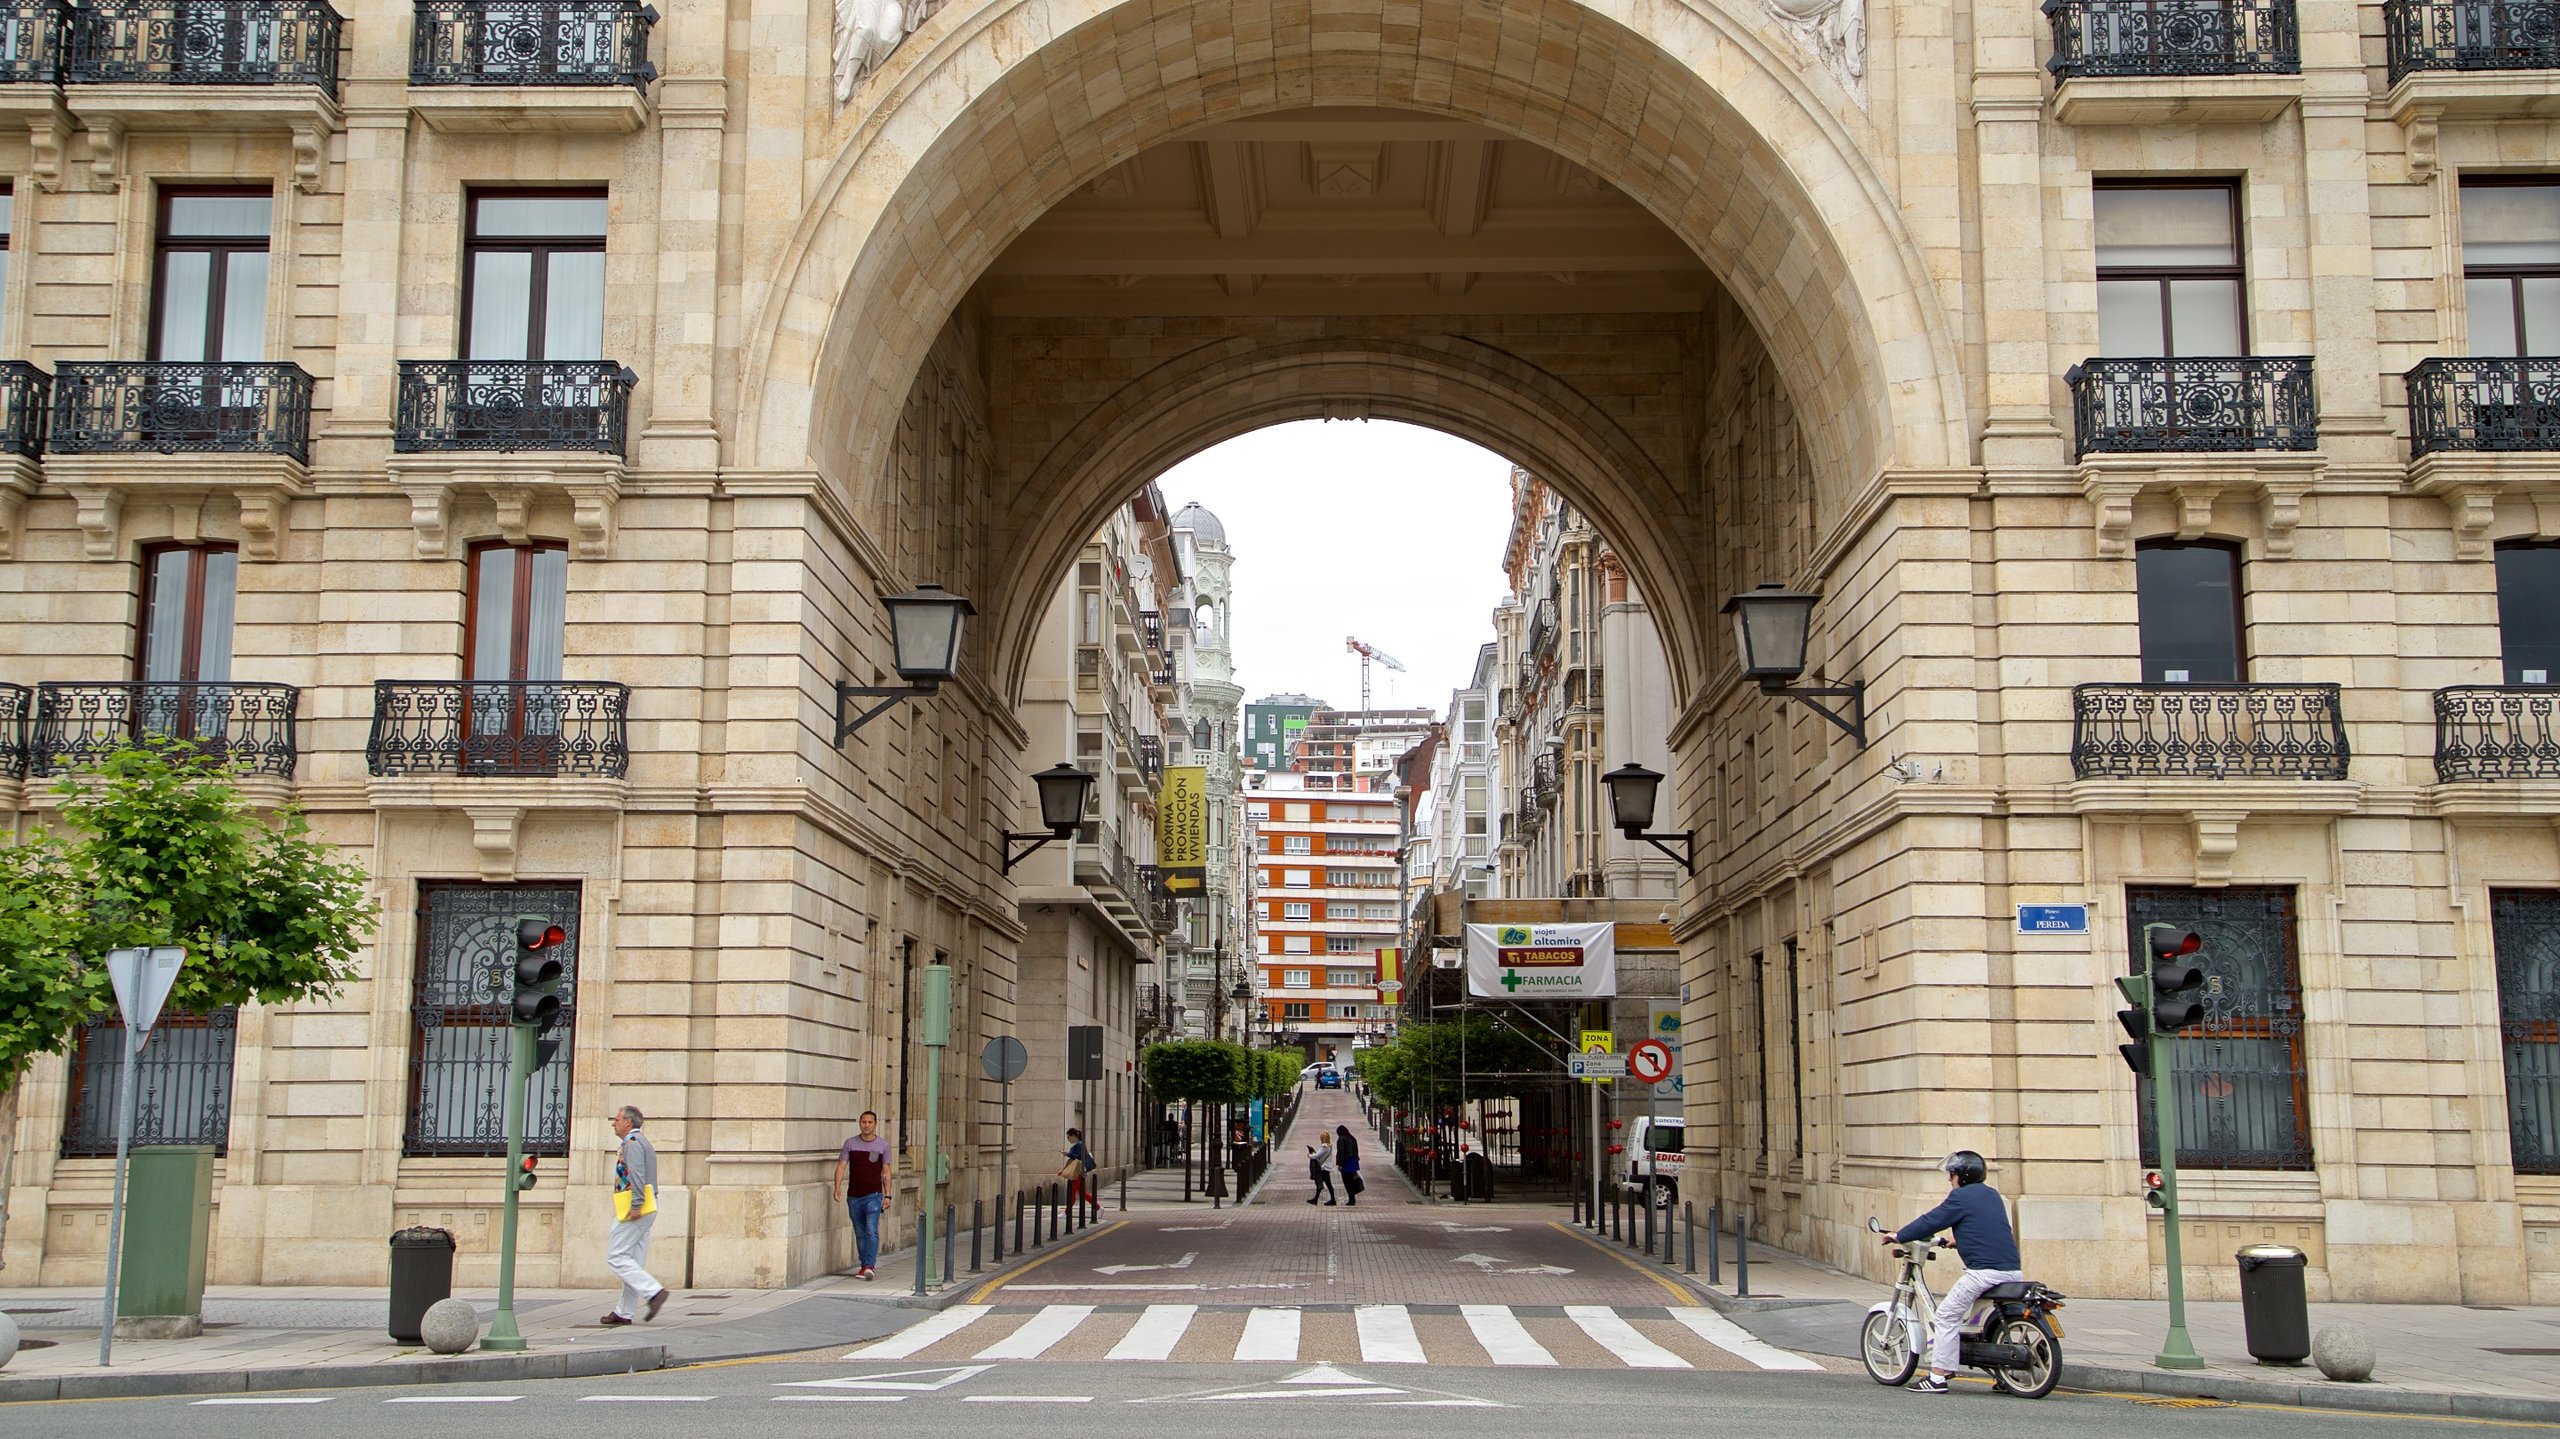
x=1368 y=652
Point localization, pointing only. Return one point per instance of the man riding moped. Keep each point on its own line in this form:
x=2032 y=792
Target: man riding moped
x=1980 y=1219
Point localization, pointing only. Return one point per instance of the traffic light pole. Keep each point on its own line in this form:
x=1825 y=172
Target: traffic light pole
x=2177 y=1351
x=503 y=1335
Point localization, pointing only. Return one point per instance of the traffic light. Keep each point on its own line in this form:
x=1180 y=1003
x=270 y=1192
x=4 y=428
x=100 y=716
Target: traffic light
x=2150 y=1188
x=538 y=970
x=524 y=1176
x=2137 y=1023
x=2172 y=976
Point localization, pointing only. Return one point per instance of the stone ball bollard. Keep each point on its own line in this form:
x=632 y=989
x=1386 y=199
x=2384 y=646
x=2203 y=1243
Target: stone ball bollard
x=8 y=1340
x=450 y=1326
x=2343 y=1353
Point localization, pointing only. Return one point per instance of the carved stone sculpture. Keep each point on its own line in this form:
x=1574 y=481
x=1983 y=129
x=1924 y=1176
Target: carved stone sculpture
x=1834 y=30
x=867 y=31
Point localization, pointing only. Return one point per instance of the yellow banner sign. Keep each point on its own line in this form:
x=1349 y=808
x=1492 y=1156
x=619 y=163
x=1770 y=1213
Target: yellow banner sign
x=1182 y=828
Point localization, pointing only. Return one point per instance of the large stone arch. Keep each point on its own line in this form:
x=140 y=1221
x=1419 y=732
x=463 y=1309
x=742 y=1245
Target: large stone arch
x=994 y=112
x=1453 y=384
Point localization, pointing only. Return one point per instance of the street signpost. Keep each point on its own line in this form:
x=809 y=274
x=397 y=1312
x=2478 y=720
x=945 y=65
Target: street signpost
x=1596 y=1043
x=1003 y=1059
x=142 y=979
x=1596 y=1068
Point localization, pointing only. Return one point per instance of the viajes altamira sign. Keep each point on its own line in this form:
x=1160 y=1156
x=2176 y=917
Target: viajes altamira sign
x=1542 y=961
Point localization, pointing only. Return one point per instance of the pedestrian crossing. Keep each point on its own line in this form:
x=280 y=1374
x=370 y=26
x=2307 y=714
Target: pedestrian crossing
x=1578 y=1336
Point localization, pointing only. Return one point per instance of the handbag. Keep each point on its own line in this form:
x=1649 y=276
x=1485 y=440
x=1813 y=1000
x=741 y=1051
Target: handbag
x=1351 y=1182
x=629 y=1204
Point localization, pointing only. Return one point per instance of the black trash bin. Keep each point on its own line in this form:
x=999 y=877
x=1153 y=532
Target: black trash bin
x=421 y=1274
x=1478 y=1172
x=2273 y=1310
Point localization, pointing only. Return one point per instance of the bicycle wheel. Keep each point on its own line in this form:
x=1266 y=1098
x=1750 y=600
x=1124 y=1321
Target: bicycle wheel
x=1885 y=1346
x=2033 y=1380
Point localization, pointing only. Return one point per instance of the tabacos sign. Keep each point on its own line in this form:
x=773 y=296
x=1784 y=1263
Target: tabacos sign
x=1542 y=961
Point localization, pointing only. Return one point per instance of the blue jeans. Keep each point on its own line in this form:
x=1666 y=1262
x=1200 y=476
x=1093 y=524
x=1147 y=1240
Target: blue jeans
x=864 y=1209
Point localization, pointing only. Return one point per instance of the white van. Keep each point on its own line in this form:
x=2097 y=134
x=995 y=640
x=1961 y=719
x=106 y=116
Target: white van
x=1656 y=1150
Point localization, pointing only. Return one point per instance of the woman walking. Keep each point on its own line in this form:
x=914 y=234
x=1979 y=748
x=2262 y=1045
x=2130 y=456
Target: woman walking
x=1320 y=1168
x=1346 y=1157
x=1078 y=1173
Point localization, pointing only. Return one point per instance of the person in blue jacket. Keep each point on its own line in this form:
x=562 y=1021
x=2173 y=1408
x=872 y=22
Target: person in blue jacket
x=1984 y=1242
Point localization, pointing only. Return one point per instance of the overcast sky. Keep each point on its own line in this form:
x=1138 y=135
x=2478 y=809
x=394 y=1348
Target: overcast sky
x=1389 y=532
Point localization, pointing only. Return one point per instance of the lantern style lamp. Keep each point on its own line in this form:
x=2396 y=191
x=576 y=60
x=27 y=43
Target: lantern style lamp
x=1632 y=789
x=1770 y=628
x=924 y=648
x=1062 y=788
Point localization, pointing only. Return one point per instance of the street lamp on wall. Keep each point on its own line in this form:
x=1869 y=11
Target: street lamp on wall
x=1770 y=628
x=1632 y=789
x=1063 y=788
x=924 y=646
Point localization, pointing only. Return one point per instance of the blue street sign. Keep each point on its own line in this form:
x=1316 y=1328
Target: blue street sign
x=2053 y=919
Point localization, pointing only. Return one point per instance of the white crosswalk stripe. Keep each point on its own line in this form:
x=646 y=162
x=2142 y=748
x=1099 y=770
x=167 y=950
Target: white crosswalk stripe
x=1577 y=1336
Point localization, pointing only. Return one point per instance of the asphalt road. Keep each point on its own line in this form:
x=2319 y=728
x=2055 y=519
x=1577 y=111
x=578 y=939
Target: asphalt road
x=824 y=1393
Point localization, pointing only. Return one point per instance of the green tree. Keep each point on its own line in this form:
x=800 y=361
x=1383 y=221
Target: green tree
x=159 y=848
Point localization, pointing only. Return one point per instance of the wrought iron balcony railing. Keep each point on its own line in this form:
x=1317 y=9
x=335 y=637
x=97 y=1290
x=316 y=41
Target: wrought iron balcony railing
x=532 y=42
x=2491 y=404
x=26 y=408
x=2421 y=35
x=34 y=38
x=141 y=407
x=2209 y=405
x=246 y=725
x=2492 y=732
x=539 y=728
x=2243 y=731
x=513 y=405
x=2164 y=38
x=205 y=42
x=14 y=703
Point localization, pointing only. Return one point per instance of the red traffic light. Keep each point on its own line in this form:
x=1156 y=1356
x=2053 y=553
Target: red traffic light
x=2169 y=942
x=2150 y=1177
x=534 y=935
x=525 y=1176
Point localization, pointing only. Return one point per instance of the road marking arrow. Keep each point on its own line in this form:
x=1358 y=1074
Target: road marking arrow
x=919 y=1381
x=1183 y=1263
x=1540 y=1269
x=1481 y=1261
x=1475 y=1228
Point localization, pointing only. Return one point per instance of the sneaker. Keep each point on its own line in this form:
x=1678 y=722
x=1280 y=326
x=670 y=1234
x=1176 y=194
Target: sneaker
x=865 y=1273
x=657 y=1302
x=1927 y=1384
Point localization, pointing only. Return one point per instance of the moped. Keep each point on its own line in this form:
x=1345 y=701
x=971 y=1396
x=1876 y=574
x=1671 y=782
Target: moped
x=2011 y=1332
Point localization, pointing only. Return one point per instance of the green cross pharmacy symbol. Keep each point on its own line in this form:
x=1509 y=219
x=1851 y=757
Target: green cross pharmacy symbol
x=1511 y=980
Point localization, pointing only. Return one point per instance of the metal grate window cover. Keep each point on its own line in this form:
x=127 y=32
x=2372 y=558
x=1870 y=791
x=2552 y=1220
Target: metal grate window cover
x=182 y=1084
x=459 y=1037
x=2240 y=1076
x=2525 y=928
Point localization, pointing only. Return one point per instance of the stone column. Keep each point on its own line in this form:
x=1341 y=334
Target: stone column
x=2019 y=430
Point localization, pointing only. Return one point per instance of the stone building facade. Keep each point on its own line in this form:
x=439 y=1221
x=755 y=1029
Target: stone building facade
x=562 y=591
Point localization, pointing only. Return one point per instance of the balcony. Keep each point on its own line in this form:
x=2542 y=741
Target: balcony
x=2468 y=59
x=2214 y=405
x=2496 y=732
x=26 y=406
x=552 y=405
x=156 y=407
x=2242 y=731
x=14 y=702
x=34 y=41
x=515 y=65
x=2149 y=61
x=205 y=42
x=523 y=728
x=248 y=726
x=2484 y=405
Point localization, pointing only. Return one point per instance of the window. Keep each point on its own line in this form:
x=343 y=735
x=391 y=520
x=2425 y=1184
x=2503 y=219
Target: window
x=1377 y=911
x=1297 y=979
x=1299 y=813
x=1795 y=1050
x=1298 y=844
x=181 y=1084
x=2239 y=1077
x=2525 y=927
x=2529 y=610
x=1298 y=944
x=1758 y=1016
x=210 y=294
x=460 y=1036
x=534 y=287
x=1297 y=909
x=1343 y=944
x=187 y=600
x=1295 y=879
x=8 y=217
x=1296 y=1011
x=519 y=603
x=1345 y=1011
x=2188 y=595
x=2169 y=276
x=1347 y=978
x=2511 y=266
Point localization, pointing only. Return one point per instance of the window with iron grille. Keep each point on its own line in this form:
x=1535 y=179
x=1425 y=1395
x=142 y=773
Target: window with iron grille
x=460 y=1038
x=2238 y=1077
x=2525 y=927
x=181 y=1084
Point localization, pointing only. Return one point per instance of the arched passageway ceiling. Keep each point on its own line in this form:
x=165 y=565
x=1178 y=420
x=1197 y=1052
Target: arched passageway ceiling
x=1448 y=383
x=991 y=115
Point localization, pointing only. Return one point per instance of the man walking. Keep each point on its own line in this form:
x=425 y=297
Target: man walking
x=862 y=1182
x=635 y=1213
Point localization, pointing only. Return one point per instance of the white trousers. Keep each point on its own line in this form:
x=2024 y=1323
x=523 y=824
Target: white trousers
x=625 y=1253
x=1945 y=1342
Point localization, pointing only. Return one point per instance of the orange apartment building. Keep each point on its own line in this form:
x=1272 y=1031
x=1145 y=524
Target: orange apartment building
x=1324 y=903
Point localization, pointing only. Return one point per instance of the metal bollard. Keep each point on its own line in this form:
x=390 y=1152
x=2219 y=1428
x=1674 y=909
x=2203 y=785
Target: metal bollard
x=1057 y=1202
x=1715 y=1261
x=1124 y=1191
x=1648 y=1226
x=977 y=1235
x=1021 y=1203
x=950 y=1238
x=1741 y=1254
x=1689 y=1221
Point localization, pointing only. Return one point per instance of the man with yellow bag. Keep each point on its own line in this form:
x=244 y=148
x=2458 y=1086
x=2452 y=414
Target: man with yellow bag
x=635 y=1213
